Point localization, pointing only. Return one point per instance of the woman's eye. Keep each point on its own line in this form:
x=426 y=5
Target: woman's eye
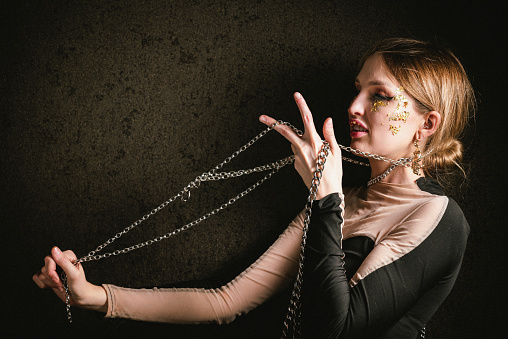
x=378 y=97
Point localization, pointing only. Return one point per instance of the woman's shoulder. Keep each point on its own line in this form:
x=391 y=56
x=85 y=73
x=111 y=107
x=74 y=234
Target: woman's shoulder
x=453 y=216
x=403 y=208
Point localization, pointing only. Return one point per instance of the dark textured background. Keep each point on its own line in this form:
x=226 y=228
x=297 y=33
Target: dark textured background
x=110 y=107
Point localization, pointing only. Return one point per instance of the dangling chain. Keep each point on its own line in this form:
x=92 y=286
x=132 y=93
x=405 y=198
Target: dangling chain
x=67 y=296
x=213 y=175
x=184 y=194
x=293 y=316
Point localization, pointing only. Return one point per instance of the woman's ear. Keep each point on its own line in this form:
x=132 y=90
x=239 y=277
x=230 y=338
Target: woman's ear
x=430 y=124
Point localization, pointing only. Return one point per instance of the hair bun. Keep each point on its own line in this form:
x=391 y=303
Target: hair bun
x=446 y=157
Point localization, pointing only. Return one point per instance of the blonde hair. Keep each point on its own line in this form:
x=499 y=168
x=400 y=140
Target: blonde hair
x=435 y=78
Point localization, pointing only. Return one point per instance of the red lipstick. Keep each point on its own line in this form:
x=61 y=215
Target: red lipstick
x=357 y=129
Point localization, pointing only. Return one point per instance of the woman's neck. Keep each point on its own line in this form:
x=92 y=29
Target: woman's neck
x=399 y=175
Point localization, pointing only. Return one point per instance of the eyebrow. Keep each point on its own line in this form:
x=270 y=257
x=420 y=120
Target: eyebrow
x=374 y=83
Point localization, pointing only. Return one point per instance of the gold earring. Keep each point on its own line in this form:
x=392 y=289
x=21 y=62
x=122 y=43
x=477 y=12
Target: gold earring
x=415 y=162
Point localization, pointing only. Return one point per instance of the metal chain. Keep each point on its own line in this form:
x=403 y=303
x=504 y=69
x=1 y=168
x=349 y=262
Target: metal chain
x=292 y=323
x=67 y=296
x=381 y=176
x=212 y=175
x=231 y=201
x=405 y=162
x=368 y=155
x=356 y=162
x=400 y=162
x=385 y=173
x=185 y=195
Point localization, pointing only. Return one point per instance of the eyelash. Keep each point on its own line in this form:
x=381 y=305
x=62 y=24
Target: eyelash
x=377 y=97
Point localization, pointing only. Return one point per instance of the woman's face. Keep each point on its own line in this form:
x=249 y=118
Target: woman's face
x=383 y=119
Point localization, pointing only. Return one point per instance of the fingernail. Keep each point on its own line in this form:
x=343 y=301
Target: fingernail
x=57 y=250
x=298 y=95
x=262 y=118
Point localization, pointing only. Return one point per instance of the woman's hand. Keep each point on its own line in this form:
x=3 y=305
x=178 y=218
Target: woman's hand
x=82 y=293
x=307 y=147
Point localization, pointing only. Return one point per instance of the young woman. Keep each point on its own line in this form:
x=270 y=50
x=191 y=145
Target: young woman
x=379 y=259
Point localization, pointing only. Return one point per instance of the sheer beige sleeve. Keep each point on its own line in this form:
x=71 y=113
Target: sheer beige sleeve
x=272 y=272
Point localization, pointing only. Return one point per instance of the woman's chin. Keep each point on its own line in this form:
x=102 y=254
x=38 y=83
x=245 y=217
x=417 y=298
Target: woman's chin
x=357 y=144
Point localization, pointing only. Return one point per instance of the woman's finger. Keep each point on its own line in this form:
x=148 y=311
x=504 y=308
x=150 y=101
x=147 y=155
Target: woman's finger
x=294 y=149
x=284 y=130
x=38 y=281
x=308 y=120
x=44 y=282
x=329 y=135
x=49 y=269
x=66 y=261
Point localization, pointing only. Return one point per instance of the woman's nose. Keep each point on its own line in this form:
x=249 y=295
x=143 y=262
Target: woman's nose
x=356 y=107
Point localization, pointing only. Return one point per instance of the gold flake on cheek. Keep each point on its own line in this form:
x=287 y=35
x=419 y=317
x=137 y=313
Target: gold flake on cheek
x=394 y=129
x=377 y=104
x=400 y=114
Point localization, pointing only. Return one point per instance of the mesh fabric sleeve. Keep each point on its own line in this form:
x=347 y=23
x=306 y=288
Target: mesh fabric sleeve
x=271 y=273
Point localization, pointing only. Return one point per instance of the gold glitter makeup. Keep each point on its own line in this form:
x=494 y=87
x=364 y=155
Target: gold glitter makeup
x=400 y=114
x=377 y=104
x=394 y=129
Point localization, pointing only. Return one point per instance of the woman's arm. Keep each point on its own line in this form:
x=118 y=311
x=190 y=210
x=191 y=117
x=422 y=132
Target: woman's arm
x=273 y=271
x=398 y=297
x=325 y=290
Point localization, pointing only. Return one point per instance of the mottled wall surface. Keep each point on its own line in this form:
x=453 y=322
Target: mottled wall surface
x=108 y=108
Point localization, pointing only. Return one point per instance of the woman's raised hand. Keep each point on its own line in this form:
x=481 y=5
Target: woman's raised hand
x=82 y=293
x=307 y=147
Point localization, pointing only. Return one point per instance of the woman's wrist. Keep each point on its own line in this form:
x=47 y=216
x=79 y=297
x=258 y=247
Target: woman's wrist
x=324 y=190
x=97 y=299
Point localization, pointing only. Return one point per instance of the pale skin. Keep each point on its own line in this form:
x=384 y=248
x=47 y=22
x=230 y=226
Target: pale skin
x=374 y=78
